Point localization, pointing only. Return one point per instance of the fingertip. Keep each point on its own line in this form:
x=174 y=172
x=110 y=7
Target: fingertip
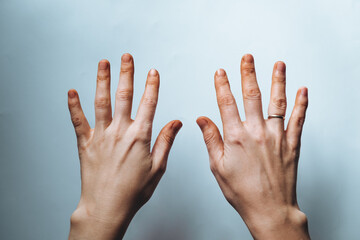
x=72 y=93
x=220 y=73
x=176 y=125
x=126 y=58
x=103 y=64
x=220 y=78
x=153 y=78
x=153 y=72
x=280 y=66
x=247 y=58
x=127 y=66
x=304 y=91
x=202 y=122
x=302 y=96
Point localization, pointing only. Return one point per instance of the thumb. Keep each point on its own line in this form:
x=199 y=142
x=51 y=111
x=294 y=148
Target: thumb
x=212 y=138
x=163 y=143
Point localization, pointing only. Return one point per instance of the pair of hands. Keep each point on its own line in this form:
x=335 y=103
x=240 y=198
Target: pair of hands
x=255 y=162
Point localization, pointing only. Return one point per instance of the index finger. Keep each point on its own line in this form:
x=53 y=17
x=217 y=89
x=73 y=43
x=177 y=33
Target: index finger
x=227 y=105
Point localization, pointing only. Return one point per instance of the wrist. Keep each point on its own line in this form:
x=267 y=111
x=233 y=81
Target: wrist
x=293 y=225
x=84 y=225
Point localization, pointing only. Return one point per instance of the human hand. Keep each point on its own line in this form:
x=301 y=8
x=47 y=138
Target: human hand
x=255 y=163
x=119 y=171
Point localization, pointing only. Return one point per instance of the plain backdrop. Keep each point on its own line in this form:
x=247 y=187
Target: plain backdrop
x=48 y=47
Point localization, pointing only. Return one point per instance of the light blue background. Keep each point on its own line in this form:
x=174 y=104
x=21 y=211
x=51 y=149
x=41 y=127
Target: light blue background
x=48 y=47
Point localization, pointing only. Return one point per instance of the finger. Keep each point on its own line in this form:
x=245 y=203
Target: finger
x=163 y=144
x=146 y=111
x=212 y=138
x=125 y=89
x=81 y=125
x=227 y=105
x=250 y=90
x=277 y=104
x=103 y=114
x=296 y=121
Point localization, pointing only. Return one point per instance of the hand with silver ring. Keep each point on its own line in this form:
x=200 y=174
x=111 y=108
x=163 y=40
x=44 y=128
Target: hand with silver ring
x=255 y=161
x=276 y=116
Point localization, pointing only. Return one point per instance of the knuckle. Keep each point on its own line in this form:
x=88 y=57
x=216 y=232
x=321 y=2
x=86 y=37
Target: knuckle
x=300 y=121
x=142 y=134
x=77 y=121
x=209 y=138
x=117 y=137
x=248 y=70
x=102 y=102
x=213 y=166
x=304 y=104
x=104 y=76
x=149 y=101
x=126 y=69
x=152 y=81
x=73 y=104
x=252 y=93
x=221 y=82
x=124 y=94
x=169 y=139
x=279 y=79
x=83 y=148
x=279 y=103
x=260 y=138
x=225 y=100
x=294 y=149
x=140 y=138
x=295 y=153
x=144 y=138
x=162 y=167
x=233 y=138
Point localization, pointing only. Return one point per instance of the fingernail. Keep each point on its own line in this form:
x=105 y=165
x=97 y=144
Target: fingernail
x=248 y=58
x=202 y=122
x=280 y=67
x=126 y=58
x=304 y=92
x=153 y=72
x=71 y=94
x=177 y=125
x=103 y=64
x=220 y=72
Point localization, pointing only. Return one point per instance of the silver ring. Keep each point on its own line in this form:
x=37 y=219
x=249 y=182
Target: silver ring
x=276 y=116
